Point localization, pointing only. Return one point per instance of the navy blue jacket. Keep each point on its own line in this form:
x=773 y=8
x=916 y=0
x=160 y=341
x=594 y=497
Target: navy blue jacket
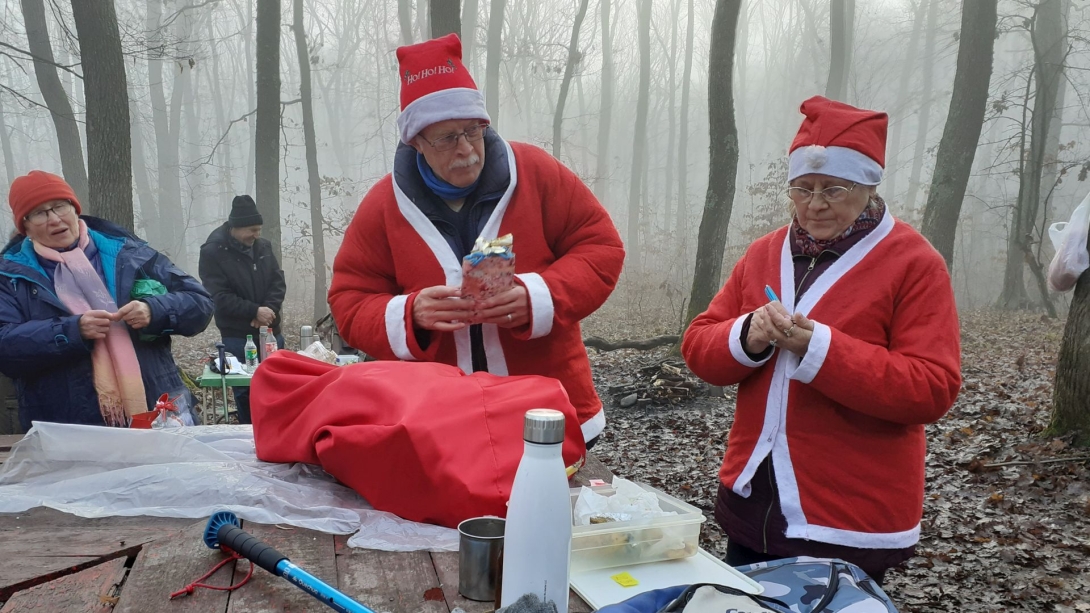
x=40 y=343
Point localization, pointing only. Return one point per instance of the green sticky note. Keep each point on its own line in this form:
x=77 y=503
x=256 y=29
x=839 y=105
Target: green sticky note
x=625 y=580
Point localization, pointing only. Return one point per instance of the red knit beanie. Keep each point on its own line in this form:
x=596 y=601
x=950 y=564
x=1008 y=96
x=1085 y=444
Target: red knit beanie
x=34 y=188
x=435 y=86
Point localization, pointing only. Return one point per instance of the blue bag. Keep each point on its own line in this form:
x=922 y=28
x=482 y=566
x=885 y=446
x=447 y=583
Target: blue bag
x=792 y=585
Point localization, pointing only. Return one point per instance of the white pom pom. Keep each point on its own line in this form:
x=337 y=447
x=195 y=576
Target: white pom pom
x=815 y=156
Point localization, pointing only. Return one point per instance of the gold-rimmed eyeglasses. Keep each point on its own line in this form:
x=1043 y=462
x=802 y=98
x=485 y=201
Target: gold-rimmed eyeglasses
x=39 y=218
x=832 y=195
x=472 y=133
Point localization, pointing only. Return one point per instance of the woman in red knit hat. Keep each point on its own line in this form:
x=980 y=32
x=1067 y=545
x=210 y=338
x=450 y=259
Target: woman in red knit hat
x=841 y=333
x=87 y=310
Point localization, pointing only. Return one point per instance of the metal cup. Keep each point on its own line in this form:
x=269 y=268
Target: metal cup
x=480 y=557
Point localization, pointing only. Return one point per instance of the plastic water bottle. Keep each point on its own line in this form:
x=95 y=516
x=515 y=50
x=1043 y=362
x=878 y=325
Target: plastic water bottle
x=251 y=355
x=537 y=538
x=269 y=342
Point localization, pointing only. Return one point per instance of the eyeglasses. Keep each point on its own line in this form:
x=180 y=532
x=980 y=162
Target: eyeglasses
x=472 y=133
x=832 y=195
x=41 y=217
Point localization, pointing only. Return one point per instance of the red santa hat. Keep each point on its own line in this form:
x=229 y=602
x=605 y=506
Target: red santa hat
x=839 y=140
x=435 y=86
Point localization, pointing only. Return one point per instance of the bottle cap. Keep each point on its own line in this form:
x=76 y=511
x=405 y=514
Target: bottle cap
x=545 y=426
x=306 y=331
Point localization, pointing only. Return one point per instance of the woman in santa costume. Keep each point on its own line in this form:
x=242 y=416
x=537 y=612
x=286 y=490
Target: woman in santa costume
x=838 y=376
x=396 y=283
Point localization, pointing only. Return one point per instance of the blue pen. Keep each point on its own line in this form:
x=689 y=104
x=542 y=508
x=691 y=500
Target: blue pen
x=771 y=294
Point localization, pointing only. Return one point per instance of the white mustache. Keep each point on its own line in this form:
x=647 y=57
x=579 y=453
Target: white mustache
x=472 y=160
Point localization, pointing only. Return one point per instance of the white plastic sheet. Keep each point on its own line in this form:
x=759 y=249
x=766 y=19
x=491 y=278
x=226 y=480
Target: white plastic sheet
x=93 y=471
x=1069 y=239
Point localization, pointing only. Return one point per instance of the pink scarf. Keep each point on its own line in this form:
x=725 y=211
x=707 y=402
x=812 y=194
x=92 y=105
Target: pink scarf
x=869 y=218
x=113 y=360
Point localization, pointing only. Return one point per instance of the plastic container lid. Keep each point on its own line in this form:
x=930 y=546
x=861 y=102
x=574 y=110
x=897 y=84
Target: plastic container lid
x=544 y=426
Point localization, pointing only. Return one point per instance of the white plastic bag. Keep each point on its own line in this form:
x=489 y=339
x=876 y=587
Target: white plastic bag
x=92 y=471
x=1071 y=258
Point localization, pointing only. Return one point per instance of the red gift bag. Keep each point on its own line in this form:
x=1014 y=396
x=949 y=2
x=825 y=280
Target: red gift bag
x=421 y=440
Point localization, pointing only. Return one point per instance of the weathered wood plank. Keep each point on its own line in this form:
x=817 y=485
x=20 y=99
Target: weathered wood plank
x=593 y=469
x=169 y=564
x=91 y=590
x=265 y=593
x=4 y=455
x=446 y=569
x=7 y=440
x=390 y=581
x=50 y=544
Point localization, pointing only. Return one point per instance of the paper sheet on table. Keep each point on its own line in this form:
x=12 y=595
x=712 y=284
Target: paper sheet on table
x=93 y=471
x=234 y=367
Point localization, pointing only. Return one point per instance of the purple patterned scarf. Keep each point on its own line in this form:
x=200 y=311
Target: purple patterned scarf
x=812 y=247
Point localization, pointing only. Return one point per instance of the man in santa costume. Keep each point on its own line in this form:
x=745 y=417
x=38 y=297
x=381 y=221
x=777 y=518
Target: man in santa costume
x=396 y=280
x=841 y=333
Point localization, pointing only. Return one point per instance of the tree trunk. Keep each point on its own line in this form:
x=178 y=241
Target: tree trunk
x=405 y=20
x=639 y=144
x=681 y=225
x=495 y=54
x=109 y=148
x=149 y=208
x=671 y=119
x=5 y=146
x=574 y=58
x=723 y=163
x=267 y=145
x=60 y=108
x=314 y=179
x=954 y=161
x=1071 y=396
x=605 y=109
x=167 y=232
x=923 y=119
x=1049 y=37
x=898 y=122
x=251 y=93
x=469 y=31
x=445 y=17
x=841 y=18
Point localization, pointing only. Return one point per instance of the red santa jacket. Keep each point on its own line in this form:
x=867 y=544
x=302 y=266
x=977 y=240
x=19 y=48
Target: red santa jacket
x=568 y=255
x=844 y=425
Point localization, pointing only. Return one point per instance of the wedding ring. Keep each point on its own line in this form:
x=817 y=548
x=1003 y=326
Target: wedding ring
x=509 y=318
x=787 y=332
x=772 y=342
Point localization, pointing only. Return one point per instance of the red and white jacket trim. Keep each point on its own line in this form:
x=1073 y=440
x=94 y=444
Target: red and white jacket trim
x=788 y=366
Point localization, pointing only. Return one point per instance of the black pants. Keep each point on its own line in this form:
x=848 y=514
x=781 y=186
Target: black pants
x=740 y=555
x=237 y=347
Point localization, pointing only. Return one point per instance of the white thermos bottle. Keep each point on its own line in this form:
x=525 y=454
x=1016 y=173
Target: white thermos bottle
x=537 y=538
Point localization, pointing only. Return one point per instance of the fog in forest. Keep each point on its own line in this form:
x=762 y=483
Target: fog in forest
x=632 y=115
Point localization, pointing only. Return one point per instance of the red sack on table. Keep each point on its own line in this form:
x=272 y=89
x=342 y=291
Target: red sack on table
x=421 y=440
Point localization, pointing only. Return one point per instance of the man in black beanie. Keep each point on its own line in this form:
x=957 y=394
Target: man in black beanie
x=239 y=269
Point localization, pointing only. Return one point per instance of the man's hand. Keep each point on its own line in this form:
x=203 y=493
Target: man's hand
x=509 y=309
x=265 y=316
x=136 y=313
x=441 y=308
x=94 y=325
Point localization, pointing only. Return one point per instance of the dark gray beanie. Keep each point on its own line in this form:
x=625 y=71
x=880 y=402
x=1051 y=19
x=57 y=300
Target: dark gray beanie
x=244 y=213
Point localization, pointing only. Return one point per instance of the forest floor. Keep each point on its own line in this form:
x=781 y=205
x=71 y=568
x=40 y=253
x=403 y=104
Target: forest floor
x=1006 y=523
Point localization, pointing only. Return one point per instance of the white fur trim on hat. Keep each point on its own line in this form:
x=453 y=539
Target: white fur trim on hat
x=453 y=103
x=840 y=162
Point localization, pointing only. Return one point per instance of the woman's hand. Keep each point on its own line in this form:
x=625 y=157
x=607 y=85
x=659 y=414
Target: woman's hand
x=773 y=325
x=94 y=325
x=136 y=313
x=509 y=309
x=441 y=308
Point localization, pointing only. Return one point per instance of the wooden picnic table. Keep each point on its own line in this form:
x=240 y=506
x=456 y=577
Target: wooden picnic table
x=53 y=561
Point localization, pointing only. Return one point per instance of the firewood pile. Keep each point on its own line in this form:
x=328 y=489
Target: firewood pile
x=664 y=383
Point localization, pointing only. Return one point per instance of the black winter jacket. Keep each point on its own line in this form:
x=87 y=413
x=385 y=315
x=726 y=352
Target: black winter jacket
x=239 y=283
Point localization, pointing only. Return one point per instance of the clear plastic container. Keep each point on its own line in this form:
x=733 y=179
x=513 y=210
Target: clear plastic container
x=622 y=543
